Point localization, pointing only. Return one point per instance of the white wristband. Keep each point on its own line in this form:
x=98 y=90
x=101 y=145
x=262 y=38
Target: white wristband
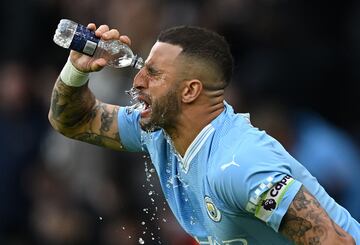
x=72 y=76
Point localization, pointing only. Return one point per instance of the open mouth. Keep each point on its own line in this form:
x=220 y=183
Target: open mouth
x=140 y=102
x=141 y=105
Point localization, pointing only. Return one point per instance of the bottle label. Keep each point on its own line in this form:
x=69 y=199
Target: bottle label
x=84 y=41
x=90 y=47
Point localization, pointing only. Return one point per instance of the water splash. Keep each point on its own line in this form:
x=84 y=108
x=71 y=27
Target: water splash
x=133 y=93
x=137 y=105
x=154 y=212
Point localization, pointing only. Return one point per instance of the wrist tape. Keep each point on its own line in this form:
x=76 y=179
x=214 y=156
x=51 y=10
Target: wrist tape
x=72 y=76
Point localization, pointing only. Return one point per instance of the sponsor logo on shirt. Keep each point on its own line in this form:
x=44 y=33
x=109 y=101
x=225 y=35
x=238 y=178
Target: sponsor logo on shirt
x=272 y=198
x=212 y=210
x=269 y=204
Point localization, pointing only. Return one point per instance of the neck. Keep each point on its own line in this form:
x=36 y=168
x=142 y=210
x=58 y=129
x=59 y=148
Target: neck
x=194 y=118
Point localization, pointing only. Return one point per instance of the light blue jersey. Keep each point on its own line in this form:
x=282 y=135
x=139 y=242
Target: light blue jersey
x=234 y=183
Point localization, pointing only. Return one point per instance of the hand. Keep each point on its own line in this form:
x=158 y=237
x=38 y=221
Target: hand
x=86 y=63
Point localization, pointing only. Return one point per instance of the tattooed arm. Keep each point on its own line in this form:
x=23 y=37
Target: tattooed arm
x=306 y=222
x=76 y=113
x=74 y=110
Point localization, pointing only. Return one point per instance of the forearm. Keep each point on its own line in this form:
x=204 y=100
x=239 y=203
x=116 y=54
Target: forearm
x=71 y=107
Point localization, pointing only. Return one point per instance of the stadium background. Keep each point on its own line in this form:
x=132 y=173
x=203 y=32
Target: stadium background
x=297 y=72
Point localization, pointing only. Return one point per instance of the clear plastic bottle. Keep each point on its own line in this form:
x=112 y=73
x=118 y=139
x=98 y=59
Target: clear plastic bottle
x=77 y=37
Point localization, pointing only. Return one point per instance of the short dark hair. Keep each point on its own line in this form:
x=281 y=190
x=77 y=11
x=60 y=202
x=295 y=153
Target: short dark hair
x=204 y=44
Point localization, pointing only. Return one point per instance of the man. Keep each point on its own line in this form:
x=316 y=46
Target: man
x=225 y=181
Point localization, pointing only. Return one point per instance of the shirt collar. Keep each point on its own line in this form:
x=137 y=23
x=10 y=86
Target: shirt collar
x=195 y=147
x=199 y=140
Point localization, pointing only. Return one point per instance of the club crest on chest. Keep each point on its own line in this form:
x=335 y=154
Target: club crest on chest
x=213 y=212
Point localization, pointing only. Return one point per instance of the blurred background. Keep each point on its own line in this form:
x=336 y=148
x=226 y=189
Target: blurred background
x=297 y=72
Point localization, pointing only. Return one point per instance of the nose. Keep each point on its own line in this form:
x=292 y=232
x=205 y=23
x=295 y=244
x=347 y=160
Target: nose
x=140 y=80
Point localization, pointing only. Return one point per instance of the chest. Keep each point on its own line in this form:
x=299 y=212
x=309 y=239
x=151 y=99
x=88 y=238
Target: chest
x=197 y=208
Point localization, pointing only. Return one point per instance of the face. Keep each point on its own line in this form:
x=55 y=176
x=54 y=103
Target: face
x=159 y=87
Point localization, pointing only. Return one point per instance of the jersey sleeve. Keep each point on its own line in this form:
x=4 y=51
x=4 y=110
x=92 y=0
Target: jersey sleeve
x=130 y=130
x=259 y=181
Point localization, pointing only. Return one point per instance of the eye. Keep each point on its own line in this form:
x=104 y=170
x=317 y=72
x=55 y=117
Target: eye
x=152 y=71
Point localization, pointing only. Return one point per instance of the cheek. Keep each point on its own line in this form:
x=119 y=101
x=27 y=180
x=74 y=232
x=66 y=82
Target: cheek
x=158 y=87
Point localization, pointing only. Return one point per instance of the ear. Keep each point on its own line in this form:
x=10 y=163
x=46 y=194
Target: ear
x=191 y=90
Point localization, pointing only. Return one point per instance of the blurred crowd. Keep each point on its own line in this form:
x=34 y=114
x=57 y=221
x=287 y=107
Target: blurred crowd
x=297 y=70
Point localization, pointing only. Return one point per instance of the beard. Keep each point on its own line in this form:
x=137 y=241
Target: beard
x=164 y=112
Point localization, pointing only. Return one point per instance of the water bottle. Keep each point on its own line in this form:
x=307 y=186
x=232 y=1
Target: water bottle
x=77 y=37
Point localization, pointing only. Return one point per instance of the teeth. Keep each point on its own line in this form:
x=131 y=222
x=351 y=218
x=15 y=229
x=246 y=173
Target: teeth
x=139 y=106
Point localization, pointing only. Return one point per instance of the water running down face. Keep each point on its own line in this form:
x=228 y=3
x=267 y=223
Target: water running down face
x=156 y=88
x=156 y=113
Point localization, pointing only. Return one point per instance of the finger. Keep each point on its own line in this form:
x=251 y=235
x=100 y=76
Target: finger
x=102 y=29
x=91 y=26
x=98 y=64
x=112 y=34
x=125 y=39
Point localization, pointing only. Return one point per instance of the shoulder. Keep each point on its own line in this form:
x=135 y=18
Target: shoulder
x=240 y=165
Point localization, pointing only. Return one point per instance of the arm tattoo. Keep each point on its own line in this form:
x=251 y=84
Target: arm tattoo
x=70 y=106
x=107 y=117
x=337 y=230
x=306 y=222
x=103 y=134
x=77 y=114
x=99 y=140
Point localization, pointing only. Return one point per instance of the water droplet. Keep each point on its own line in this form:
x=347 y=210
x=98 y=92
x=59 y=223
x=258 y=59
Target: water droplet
x=192 y=220
x=129 y=237
x=150 y=193
x=123 y=227
x=143 y=223
x=100 y=218
x=164 y=220
x=141 y=241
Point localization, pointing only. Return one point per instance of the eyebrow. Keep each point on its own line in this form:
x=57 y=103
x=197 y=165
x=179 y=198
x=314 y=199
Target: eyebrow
x=152 y=69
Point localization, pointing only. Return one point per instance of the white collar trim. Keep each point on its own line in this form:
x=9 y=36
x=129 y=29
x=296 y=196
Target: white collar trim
x=195 y=147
